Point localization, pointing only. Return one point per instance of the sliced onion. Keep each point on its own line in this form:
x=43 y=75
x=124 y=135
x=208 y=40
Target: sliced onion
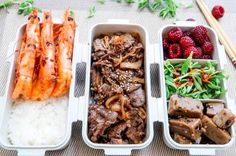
x=118 y=61
x=129 y=65
x=138 y=80
x=108 y=102
x=142 y=113
x=116 y=107
x=122 y=99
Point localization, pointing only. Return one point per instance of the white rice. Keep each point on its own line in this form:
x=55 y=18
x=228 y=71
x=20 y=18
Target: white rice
x=34 y=123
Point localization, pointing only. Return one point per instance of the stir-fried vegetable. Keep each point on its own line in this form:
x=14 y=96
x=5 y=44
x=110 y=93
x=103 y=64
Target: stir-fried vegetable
x=193 y=80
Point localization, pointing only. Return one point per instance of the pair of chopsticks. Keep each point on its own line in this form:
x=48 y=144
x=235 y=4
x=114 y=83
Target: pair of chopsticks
x=224 y=39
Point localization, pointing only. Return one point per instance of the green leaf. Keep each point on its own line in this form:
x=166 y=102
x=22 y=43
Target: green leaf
x=213 y=86
x=186 y=65
x=72 y=13
x=197 y=85
x=129 y=1
x=101 y=1
x=142 y=4
x=155 y=5
x=92 y=12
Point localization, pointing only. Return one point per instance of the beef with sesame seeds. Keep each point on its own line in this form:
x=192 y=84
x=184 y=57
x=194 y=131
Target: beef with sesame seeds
x=117 y=82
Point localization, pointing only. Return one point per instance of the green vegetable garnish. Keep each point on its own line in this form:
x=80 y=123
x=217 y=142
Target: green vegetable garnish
x=193 y=80
x=92 y=12
x=24 y=6
x=72 y=13
x=129 y=1
x=101 y=1
x=169 y=9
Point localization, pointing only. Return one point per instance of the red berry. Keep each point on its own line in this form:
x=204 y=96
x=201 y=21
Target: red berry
x=199 y=34
x=197 y=54
x=187 y=33
x=206 y=57
x=208 y=48
x=175 y=34
x=200 y=50
x=186 y=42
x=174 y=51
x=166 y=44
x=218 y=11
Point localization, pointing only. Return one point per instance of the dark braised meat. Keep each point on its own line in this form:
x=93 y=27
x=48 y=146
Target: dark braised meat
x=181 y=139
x=117 y=85
x=188 y=127
x=185 y=106
x=213 y=108
x=99 y=119
x=188 y=121
x=214 y=133
x=224 y=119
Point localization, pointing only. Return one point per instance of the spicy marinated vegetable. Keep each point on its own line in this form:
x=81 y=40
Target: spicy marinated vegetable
x=191 y=79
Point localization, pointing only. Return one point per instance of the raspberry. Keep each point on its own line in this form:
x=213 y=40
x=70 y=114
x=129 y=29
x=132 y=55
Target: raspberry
x=201 y=29
x=199 y=34
x=197 y=54
x=200 y=50
x=174 y=51
x=218 y=11
x=175 y=34
x=208 y=48
x=206 y=57
x=187 y=33
x=166 y=44
x=186 y=42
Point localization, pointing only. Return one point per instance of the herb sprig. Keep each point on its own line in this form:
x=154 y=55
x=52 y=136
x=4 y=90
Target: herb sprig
x=194 y=80
x=24 y=6
x=92 y=12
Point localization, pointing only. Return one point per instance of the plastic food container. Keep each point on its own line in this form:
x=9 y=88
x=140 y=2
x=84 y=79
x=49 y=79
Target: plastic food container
x=220 y=58
x=107 y=28
x=6 y=102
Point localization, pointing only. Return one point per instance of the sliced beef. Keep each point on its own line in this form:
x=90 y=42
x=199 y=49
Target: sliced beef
x=188 y=127
x=137 y=97
x=214 y=133
x=99 y=120
x=181 y=139
x=185 y=107
x=115 y=133
x=98 y=55
x=123 y=119
x=135 y=135
x=118 y=141
x=136 y=132
x=99 y=45
x=213 y=108
x=224 y=119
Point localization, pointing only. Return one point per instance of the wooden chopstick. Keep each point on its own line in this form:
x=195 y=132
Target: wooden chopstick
x=224 y=39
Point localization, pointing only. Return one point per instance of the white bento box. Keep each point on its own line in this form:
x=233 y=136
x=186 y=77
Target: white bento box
x=220 y=58
x=6 y=101
x=114 y=26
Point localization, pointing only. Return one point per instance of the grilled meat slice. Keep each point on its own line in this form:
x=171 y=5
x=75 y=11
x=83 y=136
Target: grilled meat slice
x=99 y=120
